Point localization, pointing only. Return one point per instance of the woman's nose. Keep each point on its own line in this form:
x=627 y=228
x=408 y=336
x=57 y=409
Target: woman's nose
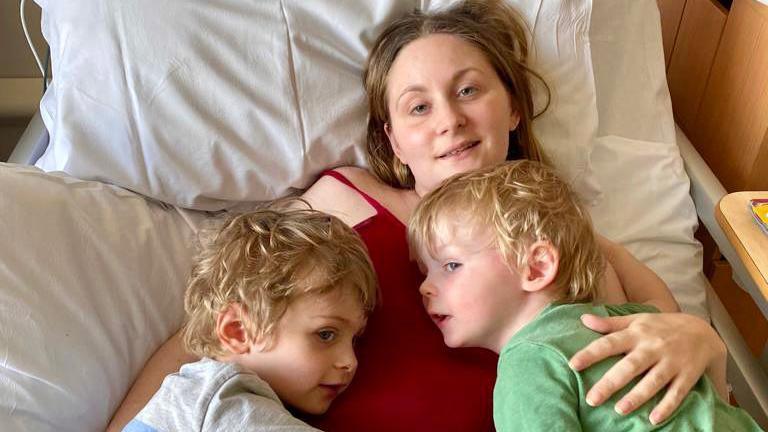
x=451 y=118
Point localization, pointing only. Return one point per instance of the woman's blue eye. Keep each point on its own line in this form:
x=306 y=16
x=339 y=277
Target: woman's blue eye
x=451 y=266
x=467 y=91
x=326 y=335
x=419 y=109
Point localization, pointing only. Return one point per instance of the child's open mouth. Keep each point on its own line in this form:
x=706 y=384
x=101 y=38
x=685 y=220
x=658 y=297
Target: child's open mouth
x=439 y=319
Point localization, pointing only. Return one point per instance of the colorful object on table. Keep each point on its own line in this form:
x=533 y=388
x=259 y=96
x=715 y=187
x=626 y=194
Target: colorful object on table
x=760 y=212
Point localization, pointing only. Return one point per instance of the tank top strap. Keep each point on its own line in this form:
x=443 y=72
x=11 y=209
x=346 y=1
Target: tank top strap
x=340 y=177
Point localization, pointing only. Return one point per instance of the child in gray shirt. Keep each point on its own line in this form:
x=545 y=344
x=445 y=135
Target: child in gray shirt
x=274 y=303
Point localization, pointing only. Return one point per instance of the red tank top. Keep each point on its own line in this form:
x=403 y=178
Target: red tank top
x=407 y=379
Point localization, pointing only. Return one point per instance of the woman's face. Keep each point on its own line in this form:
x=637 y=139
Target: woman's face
x=449 y=111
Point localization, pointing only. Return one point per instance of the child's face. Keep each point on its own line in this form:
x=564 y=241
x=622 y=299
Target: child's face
x=312 y=357
x=449 y=111
x=470 y=292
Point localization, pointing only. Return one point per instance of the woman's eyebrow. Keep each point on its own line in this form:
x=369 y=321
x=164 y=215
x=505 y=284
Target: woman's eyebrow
x=460 y=73
x=420 y=88
x=410 y=88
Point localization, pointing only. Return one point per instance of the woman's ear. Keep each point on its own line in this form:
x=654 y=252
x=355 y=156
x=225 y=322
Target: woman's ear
x=540 y=267
x=393 y=142
x=231 y=330
x=514 y=118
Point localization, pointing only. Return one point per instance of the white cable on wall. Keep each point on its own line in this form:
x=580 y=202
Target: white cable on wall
x=29 y=39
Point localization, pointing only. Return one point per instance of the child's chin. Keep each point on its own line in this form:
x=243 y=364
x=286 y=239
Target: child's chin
x=317 y=410
x=452 y=343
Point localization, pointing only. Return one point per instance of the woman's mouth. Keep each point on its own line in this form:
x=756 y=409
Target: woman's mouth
x=459 y=150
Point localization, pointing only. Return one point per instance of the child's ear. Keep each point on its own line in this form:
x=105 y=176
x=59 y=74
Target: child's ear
x=231 y=330
x=540 y=267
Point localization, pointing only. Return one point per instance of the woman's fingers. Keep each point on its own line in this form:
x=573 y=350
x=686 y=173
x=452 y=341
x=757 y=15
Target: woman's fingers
x=617 y=342
x=677 y=391
x=618 y=376
x=606 y=324
x=651 y=384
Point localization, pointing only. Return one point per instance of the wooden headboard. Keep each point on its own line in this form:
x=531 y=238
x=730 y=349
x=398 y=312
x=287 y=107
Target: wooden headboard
x=717 y=70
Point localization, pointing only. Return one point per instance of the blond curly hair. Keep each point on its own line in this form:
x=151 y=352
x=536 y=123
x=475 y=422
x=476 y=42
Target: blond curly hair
x=265 y=259
x=522 y=202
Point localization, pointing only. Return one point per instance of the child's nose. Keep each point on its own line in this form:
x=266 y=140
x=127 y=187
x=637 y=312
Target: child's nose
x=347 y=360
x=427 y=289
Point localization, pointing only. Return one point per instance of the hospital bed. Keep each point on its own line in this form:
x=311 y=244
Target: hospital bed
x=162 y=114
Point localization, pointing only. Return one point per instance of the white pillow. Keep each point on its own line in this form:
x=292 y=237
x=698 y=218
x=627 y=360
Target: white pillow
x=91 y=282
x=645 y=202
x=206 y=104
x=647 y=207
x=632 y=95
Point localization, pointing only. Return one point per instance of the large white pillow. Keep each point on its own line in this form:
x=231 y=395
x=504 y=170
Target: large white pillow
x=91 y=282
x=646 y=206
x=204 y=104
x=645 y=202
x=632 y=95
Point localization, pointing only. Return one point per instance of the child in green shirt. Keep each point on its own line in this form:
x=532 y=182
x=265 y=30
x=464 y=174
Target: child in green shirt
x=512 y=263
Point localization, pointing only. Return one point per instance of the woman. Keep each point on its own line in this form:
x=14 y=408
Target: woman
x=449 y=92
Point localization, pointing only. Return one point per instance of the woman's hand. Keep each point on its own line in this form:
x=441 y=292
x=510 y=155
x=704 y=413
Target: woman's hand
x=672 y=349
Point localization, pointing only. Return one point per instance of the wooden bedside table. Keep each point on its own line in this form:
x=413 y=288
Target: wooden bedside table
x=734 y=216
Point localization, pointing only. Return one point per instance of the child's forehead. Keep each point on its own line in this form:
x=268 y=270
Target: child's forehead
x=458 y=228
x=464 y=232
x=342 y=301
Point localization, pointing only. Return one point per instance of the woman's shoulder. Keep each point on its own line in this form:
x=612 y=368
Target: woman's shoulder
x=330 y=195
x=359 y=176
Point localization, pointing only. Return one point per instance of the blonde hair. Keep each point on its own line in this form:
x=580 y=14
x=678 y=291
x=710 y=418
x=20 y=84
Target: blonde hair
x=265 y=259
x=489 y=25
x=522 y=202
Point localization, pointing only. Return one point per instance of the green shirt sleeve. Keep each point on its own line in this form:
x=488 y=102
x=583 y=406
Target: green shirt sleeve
x=535 y=391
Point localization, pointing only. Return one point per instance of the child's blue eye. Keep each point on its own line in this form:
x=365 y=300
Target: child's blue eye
x=326 y=335
x=451 y=266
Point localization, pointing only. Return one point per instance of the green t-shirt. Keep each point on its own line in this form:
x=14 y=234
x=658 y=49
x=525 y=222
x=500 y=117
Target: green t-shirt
x=536 y=390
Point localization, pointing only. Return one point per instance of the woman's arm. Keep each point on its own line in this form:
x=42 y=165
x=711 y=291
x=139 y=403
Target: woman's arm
x=639 y=282
x=611 y=291
x=166 y=360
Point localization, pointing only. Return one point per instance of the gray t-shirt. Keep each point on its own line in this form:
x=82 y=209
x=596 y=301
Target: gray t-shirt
x=209 y=395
